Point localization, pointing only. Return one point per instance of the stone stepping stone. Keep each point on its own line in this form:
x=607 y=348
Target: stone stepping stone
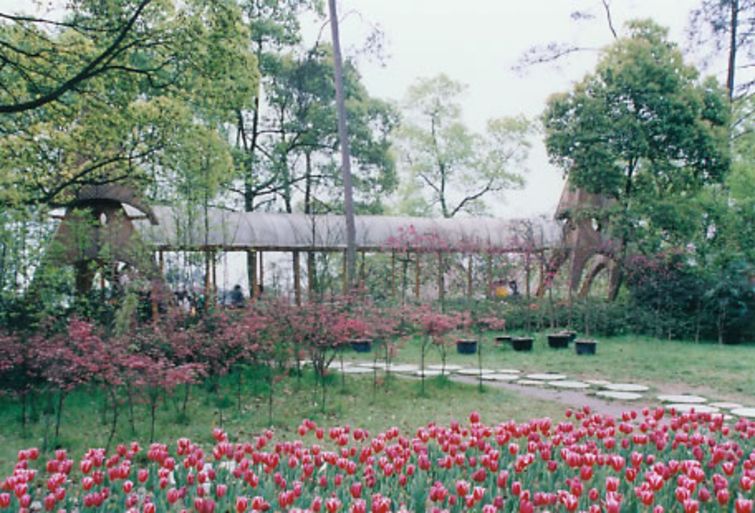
x=598 y=382
x=449 y=367
x=682 y=399
x=688 y=407
x=530 y=382
x=744 y=412
x=509 y=371
x=355 y=370
x=726 y=406
x=569 y=384
x=474 y=372
x=626 y=387
x=546 y=376
x=429 y=373
x=500 y=376
x=617 y=394
x=371 y=365
x=404 y=367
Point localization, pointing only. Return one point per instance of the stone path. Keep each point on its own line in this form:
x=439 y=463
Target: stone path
x=600 y=395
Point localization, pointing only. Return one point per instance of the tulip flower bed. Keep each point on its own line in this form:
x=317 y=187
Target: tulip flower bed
x=649 y=461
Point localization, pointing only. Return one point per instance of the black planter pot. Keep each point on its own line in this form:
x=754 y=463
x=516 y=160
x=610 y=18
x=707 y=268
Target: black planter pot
x=362 y=345
x=572 y=334
x=503 y=340
x=522 y=343
x=585 y=347
x=466 y=346
x=559 y=340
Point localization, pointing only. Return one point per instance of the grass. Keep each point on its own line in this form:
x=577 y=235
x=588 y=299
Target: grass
x=723 y=372
x=396 y=402
x=718 y=372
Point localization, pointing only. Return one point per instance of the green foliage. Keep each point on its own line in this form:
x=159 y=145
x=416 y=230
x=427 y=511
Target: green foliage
x=291 y=142
x=183 y=71
x=644 y=131
x=455 y=167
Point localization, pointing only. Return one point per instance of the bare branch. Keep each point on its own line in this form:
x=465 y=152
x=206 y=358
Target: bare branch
x=607 y=8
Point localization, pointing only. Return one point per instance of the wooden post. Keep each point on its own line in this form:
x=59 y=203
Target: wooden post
x=297 y=278
x=417 y=274
x=527 y=272
x=345 y=273
x=261 y=283
x=251 y=272
x=541 y=281
x=214 y=277
x=441 y=281
x=311 y=275
x=469 y=277
x=489 y=275
x=362 y=272
x=393 y=274
x=155 y=305
x=207 y=277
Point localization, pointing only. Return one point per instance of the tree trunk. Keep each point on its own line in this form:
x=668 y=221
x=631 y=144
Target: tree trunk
x=732 y=48
x=348 y=203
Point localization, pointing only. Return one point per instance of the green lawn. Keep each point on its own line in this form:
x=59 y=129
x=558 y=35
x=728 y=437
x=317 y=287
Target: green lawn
x=719 y=372
x=725 y=372
x=397 y=402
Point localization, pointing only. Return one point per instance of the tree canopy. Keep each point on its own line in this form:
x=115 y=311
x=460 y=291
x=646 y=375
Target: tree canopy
x=176 y=75
x=644 y=131
x=458 y=168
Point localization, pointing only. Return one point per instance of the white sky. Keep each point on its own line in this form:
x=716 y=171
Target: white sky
x=477 y=42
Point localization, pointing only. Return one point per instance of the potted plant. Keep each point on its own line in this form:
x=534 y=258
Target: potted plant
x=361 y=345
x=466 y=346
x=586 y=346
x=522 y=343
x=559 y=340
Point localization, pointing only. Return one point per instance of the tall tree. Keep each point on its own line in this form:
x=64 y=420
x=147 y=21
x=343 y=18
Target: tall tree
x=730 y=26
x=343 y=136
x=456 y=167
x=644 y=131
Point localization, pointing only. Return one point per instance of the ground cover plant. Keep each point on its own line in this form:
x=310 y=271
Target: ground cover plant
x=649 y=460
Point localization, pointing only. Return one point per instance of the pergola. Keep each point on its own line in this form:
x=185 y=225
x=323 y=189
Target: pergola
x=119 y=227
x=215 y=230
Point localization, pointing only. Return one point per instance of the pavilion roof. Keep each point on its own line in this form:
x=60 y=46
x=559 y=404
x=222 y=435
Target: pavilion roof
x=238 y=231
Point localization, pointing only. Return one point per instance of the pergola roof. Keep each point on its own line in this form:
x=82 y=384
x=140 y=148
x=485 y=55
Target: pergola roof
x=224 y=230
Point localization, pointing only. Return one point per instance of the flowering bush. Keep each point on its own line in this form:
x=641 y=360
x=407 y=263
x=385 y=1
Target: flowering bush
x=654 y=460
